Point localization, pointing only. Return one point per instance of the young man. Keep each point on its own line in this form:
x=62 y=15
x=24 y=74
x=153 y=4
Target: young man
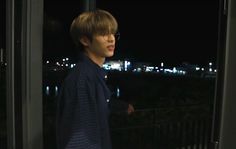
x=83 y=105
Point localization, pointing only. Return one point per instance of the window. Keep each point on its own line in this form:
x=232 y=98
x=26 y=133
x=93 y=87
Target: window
x=171 y=47
x=59 y=56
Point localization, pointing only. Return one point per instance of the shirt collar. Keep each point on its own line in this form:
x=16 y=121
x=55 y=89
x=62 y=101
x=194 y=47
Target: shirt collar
x=100 y=70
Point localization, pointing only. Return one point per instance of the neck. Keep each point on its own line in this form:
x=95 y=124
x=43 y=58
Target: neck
x=95 y=58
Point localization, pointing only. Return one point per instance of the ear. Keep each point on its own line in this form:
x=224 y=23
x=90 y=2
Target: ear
x=84 y=41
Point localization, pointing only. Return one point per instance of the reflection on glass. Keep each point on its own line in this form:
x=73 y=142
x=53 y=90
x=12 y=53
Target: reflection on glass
x=56 y=90
x=47 y=90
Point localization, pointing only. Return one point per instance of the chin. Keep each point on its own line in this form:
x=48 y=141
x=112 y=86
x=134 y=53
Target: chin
x=109 y=54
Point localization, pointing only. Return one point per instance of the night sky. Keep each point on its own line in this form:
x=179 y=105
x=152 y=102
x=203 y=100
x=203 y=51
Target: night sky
x=151 y=31
x=170 y=31
x=2 y=24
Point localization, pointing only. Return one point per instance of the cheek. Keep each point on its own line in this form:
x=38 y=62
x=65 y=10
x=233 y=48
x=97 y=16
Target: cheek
x=100 y=45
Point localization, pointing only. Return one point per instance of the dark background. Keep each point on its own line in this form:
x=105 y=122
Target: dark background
x=151 y=31
x=2 y=24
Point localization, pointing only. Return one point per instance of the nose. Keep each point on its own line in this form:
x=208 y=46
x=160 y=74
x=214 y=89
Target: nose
x=111 y=38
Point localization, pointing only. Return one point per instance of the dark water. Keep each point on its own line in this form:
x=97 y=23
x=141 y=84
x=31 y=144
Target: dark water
x=172 y=104
x=146 y=89
x=168 y=109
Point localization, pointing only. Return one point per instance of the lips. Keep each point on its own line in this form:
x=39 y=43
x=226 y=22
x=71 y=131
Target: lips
x=111 y=47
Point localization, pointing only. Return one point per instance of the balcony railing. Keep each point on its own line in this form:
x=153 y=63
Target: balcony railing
x=163 y=128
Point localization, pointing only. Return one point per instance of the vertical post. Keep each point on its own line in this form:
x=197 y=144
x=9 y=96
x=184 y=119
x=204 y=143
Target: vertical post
x=1 y=56
x=24 y=73
x=10 y=38
x=228 y=121
x=89 y=5
x=222 y=21
x=32 y=29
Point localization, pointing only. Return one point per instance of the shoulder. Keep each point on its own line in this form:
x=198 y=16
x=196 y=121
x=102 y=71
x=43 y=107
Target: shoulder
x=81 y=73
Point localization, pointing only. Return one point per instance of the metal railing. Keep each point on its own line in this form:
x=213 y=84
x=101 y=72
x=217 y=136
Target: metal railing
x=163 y=128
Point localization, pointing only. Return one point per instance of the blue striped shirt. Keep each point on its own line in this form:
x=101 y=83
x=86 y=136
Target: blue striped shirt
x=82 y=116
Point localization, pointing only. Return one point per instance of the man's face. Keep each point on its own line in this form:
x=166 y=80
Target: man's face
x=102 y=45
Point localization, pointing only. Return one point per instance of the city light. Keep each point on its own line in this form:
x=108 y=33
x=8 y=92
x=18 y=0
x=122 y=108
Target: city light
x=117 y=92
x=47 y=90
x=116 y=66
x=56 y=90
x=149 y=69
x=162 y=64
x=71 y=65
x=174 y=70
x=127 y=64
x=138 y=67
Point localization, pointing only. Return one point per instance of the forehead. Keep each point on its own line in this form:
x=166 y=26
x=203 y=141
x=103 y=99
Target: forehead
x=105 y=29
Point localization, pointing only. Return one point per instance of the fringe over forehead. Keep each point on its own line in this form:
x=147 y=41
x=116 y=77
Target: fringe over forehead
x=98 y=22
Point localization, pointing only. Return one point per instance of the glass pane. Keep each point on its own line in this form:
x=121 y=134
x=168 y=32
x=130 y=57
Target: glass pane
x=164 y=65
x=168 y=49
x=58 y=58
x=3 y=115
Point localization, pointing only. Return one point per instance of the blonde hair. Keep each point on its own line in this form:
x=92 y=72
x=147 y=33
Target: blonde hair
x=88 y=24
